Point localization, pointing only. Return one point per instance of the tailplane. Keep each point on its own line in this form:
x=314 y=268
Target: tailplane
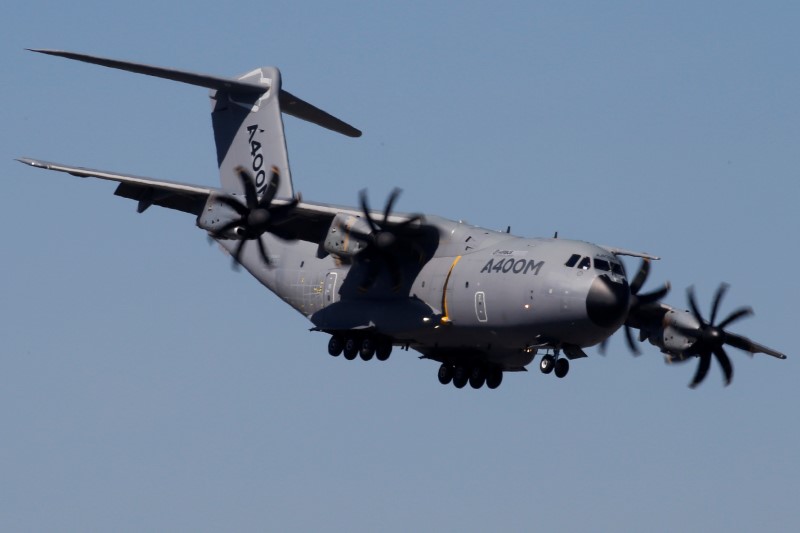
x=246 y=117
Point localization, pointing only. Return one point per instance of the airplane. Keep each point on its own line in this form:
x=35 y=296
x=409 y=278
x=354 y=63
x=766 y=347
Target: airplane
x=477 y=301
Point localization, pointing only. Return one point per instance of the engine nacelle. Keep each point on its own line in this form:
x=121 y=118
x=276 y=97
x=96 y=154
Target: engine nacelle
x=338 y=241
x=674 y=337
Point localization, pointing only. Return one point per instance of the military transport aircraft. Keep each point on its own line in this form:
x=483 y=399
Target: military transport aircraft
x=479 y=302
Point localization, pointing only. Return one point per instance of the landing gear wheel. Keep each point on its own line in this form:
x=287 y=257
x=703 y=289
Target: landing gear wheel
x=477 y=377
x=445 y=374
x=562 y=367
x=384 y=349
x=335 y=345
x=460 y=376
x=367 y=349
x=350 y=348
x=545 y=365
x=494 y=377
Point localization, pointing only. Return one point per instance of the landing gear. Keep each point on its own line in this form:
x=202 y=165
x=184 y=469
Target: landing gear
x=445 y=374
x=384 y=349
x=335 y=345
x=461 y=376
x=477 y=377
x=562 y=367
x=367 y=349
x=354 y=345
x=351 y=348
x=494 y=377
x=547 y=363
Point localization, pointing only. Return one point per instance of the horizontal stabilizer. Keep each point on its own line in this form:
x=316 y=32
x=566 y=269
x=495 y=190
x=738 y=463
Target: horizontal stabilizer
x=290 y=104
x=192 y=78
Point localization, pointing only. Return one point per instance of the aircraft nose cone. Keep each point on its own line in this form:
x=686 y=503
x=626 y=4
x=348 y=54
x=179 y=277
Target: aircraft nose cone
x=607 y=302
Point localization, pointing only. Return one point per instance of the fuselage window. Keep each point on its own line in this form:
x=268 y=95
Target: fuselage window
x=585 y=263
x=602 y=264
x=572 y=260
x=616 y=268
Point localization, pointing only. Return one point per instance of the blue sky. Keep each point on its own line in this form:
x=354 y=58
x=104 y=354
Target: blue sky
x=145 y=386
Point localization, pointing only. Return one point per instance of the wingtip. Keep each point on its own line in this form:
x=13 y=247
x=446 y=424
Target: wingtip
x=45 y=51
x=30 y=162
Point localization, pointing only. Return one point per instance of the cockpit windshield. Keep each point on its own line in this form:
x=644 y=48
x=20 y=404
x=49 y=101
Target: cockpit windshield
x=603 y=265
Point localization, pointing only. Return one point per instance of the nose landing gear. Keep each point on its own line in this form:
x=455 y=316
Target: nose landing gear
x=548 y=363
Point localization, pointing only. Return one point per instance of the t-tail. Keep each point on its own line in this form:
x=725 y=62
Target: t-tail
x=246 y=117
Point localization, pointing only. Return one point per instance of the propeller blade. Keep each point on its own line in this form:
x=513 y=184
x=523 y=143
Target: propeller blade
x=641 y=276
x=281 y=211
x=263 y=250
x=250 y=195
x=390 y=204
x=234 y=204
x=721 y=290
x=631 y=343
x=404 y=224
x=652 y=297
x=237 y=253
x=272 y=188
x=693 y=305
x=725 y=362
x=736 y=315
x=362 y=196
x=603 y=346
x=702 y=369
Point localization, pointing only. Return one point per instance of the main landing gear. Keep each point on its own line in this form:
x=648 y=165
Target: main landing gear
x=475 y=375
x=365 y=346
x=548 y=363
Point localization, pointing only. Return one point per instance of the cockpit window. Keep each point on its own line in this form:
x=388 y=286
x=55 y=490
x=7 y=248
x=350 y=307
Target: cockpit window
x=602 y=264
x=585 y=263
x=616 y=268
x=572 y=260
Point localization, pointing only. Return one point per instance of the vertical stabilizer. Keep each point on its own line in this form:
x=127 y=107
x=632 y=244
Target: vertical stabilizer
x=248 y=132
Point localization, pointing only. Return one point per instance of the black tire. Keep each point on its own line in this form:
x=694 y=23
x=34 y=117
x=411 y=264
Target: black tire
x=460 y=376
x=562 y=367
x=350 y=348
x=494 y=378
x=384 y=349
x=367 y=349
x=335 y=345
x=477 y=377
x=445 y=374
x=547 y=363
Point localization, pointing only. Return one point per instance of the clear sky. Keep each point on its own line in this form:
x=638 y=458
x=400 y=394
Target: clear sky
x=144 y=386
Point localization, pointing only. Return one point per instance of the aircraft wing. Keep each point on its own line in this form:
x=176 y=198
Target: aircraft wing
x=147 y=191
x=308 y=221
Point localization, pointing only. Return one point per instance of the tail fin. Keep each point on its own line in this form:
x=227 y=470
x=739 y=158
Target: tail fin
x=248 y=132
x=246 y=116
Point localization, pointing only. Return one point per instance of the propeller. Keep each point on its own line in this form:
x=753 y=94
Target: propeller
x=639 y=302
x=713 y=336
x=385 y=241
x=256 y=217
